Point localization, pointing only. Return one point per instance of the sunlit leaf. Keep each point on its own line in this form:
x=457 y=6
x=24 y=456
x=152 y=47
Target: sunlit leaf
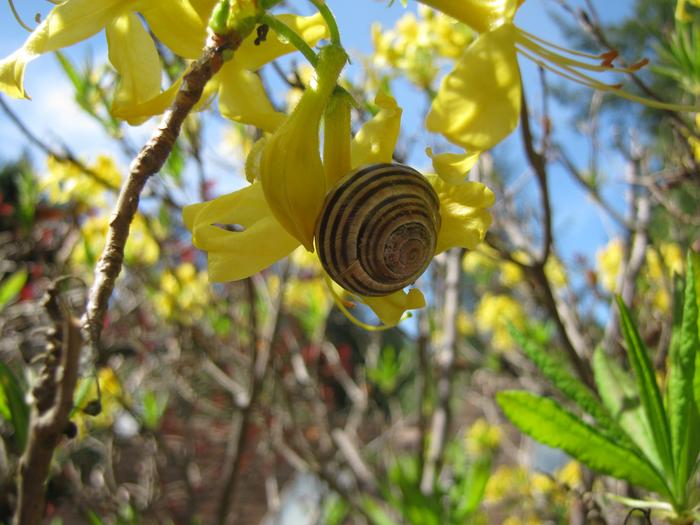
x=12 y=287
x=549 y=423
x=16 y=406
x=648 y=389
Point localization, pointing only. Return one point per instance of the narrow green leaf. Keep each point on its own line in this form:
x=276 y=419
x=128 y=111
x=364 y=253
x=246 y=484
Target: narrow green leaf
x=682 y=411
x=571 y=387
x=11 y=287
x=648 y=389
x=549 y=423
x=19 y=410
x=620 y=395
x=470 y=491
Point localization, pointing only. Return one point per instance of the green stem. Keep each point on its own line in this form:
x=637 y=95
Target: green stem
x=330 y=20
x=287 y=32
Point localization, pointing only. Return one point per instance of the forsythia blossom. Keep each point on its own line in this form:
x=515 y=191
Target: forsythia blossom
x=478 y=102
x=180 y=25
x=279 y=209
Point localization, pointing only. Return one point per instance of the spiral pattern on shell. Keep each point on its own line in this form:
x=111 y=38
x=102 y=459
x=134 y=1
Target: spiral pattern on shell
x=378 y=229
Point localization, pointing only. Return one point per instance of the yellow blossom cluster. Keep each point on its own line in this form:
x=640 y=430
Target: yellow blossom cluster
x=111 y=398
x=66 y=182
x=414 y=44
x=659 y=266
x=482 y=437
x=513 y=486
x=141 y=248
x=494 y=315
x=183 y=294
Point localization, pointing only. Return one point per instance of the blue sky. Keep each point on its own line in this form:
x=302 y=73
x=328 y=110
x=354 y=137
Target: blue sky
x=53 y=115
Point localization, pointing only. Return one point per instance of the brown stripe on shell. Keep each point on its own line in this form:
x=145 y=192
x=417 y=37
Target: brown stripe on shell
x=378 y=229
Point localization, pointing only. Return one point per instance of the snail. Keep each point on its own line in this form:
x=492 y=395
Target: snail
x=378 y=229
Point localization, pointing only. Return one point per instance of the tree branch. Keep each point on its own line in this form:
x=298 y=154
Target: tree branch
x=53 y=402
x=148 y=162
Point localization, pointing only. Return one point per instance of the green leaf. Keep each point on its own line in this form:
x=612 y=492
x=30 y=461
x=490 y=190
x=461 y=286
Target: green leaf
x=549 y=423
x=649 y=392
x=28 y=197
x=620 y=395
x=153 y=409
x=375 y=513
x=571 y=387
x=11 y=287
x=469 y=491
x=682 y=411
x=81 y=394
x=13 y=394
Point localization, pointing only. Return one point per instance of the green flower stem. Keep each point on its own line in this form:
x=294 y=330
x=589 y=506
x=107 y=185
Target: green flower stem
x=287 y=32
x=330 y=20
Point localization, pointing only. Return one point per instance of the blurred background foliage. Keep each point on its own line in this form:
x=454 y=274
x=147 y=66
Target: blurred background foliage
x=259 y=402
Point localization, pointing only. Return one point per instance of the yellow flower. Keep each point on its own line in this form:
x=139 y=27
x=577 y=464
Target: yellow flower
x=570 y=475
x=478 y=103
x=66 y=182
x=495 y=313
x=183 y=294
x=182 y=26
x=609 y=261
x=681 y=14
x=279 y=209
x=140 y=248
x=110 y=401
x=131 y=49
x=483 y=437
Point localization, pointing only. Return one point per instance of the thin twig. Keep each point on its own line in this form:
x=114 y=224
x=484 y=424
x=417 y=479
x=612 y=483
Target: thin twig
x=53 y=401
x=444 y=360
x=148 y=162
x=262 y=348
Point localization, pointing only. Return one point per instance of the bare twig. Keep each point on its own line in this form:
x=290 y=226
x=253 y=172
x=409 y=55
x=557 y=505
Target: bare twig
x=444 y=360
x=53 y=402
x=262 y=347
x=148 y=162
x=423 y=386
x=537 y=161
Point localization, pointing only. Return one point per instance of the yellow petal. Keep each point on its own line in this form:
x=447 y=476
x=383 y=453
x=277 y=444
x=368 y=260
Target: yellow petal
x=252 y=57
x=291 y=171
x=66 y=24
x=253 y=160
x=453 y=167
x=133 y=54
x=478 y=103
x=236 y=255
x=12 y=74
x=242 y=98
x=177 y=24
x=376 y=139
x=135 y=114
x=391 y=308
x=480 y=15
x=463 y=213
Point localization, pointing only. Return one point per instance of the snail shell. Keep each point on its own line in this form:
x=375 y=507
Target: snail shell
x=378 y=229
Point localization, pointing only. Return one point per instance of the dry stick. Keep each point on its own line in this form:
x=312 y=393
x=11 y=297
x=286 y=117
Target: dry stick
x=259 y=368
x=423 y=385
x=443 y=363
x=53 y=395
x=148 y=162
x=640 y=215
x=565 y=323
